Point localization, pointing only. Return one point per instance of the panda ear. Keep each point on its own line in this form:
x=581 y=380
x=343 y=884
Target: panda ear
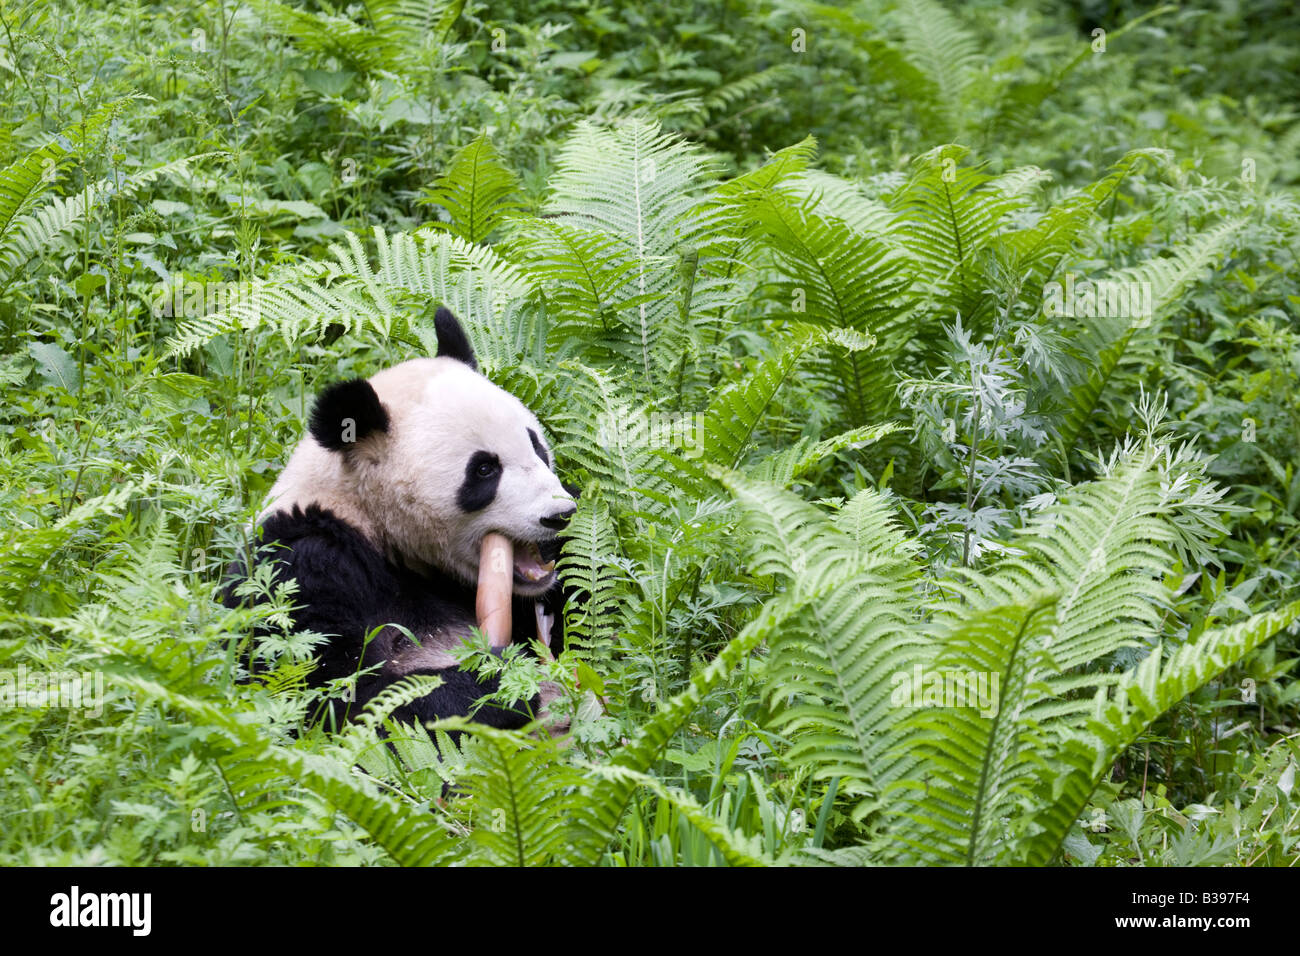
x=452 y=341
x=347 y=412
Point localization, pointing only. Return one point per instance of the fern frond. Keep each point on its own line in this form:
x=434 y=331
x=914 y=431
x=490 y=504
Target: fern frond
x=1104 y=548
x=588 y=283
x=30 y=234
x=872 y=522
x=521 y=796
x=854 y=856
x=259 y=771
x=599 y=813
x=944 y=55
x=410 y=272
x=640 y=186
x=332 y=35
x=747 y=89
x=1018 y=104
x=25 y=552
x=612 y=454
x=977 y=763
x=730 y=421
x=1121 y=714
x=843 y=199
x=25 y=180
x=779 y=170
x=1037 y=251
x=949 y=214
x=833 y=276
x=787 y=465
x=412 y=22
x=476 y=190
x=22 y=182
x=362 y=730
x=424 y=760
x=847 y=632
x=394 y=33
x=1097 y=558
x=1169 y=280
x=589 y=566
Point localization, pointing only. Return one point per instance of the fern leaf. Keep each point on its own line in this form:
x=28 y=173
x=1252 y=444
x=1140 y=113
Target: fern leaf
x=1036 y=251
x=833 y=276
x=476 y=191
x=846 y=632
x=30 y=234
x=1104 y=547
x=589 y=568
x=950 y=214
x=787 y=465
x=1121 y=714
x=588 y=283
x=521 y=795
x=636 y=184
x=1018 y=104
x=25 y=552
x=598 y=815
x=730 y=421
x=411 y=271
x=871 y=521
x=394 y=33
x=944 y=54
x=977 y=762
x=22 y=182
x=257 y=770
x=1168 y=279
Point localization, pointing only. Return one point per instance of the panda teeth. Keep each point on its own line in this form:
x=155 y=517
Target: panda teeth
x=530 y=565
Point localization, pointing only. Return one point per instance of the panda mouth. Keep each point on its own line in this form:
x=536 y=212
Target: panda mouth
x=531 y=568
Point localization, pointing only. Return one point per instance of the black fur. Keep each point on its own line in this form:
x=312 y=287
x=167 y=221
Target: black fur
x=452 y=340
x=346 y=588
x=477 y=490
x=353 y=401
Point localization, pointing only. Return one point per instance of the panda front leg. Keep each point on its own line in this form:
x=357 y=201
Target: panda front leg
x=458 y=695
x=460 y=690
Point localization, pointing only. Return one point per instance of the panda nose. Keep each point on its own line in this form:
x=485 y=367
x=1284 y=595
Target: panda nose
x=558 y=520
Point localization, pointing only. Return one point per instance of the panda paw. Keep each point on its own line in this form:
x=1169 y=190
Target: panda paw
x=554 y=722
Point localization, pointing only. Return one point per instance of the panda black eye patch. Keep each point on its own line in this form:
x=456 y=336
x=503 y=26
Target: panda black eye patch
x=482 y=476
x=537 y=447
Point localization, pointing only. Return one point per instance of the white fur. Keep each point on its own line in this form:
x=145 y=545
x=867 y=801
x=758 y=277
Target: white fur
x=399 y=488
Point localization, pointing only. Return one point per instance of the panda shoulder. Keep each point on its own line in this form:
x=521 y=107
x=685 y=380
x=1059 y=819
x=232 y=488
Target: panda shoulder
x=323 y=552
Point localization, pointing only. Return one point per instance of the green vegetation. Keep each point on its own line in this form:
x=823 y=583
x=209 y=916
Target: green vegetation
x=932 y=376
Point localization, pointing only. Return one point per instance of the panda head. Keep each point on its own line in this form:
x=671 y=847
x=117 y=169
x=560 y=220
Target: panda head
x=431 y=456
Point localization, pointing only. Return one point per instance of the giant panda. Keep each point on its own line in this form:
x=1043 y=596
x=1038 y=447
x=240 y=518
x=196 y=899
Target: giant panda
x=380 y=512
